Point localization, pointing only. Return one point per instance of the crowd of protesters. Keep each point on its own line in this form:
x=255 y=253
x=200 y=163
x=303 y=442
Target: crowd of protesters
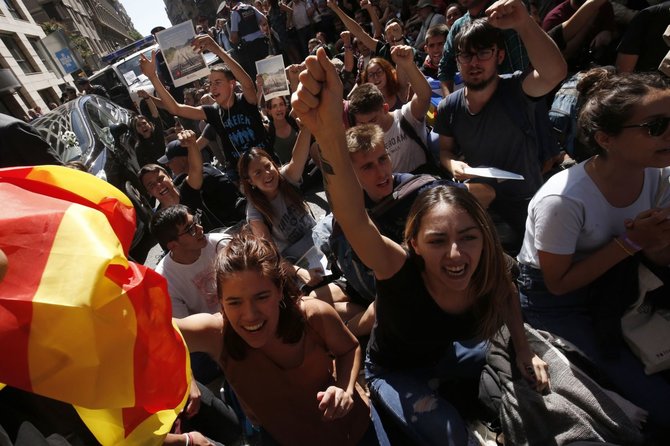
x=409 y=111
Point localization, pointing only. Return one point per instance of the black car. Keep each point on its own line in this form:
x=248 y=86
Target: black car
x=96 y=132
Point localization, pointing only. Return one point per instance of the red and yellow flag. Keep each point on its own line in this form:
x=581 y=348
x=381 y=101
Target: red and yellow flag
x=78 y=322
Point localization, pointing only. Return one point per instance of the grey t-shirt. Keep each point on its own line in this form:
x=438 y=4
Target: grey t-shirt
x=291 y=226
x=492 y=138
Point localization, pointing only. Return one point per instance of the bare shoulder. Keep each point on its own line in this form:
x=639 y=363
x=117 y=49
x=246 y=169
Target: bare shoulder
x=202 y=332
x=315 y=308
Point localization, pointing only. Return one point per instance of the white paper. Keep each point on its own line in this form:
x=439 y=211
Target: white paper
x=130 y=77
x=275 y=83
x=492 y=172
x=184 y=63
x=312 y=259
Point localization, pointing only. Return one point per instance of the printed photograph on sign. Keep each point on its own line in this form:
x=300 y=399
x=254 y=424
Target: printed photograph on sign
x=272 y=71
x=185 y=64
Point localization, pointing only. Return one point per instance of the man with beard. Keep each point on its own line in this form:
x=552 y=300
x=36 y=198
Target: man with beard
x=516 y=57
x=483 y=124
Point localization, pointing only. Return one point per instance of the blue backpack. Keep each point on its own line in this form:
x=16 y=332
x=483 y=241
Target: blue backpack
x=563 y=114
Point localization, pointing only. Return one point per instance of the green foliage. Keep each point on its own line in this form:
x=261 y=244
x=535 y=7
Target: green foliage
x=81 y=45
x=51 y=26
x=135 y=35
x=78 y=41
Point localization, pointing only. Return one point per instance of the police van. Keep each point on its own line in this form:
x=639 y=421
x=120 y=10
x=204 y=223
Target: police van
x=123 y=78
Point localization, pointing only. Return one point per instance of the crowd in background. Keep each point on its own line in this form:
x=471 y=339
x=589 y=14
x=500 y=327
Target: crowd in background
x=398 y=106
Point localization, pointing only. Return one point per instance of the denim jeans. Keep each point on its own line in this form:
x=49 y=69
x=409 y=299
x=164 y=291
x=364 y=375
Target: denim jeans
x=569 y=317
x=411 y=396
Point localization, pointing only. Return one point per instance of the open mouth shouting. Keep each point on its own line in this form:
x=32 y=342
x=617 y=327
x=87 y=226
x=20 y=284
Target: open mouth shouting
x=456 y=271
x=254 y=328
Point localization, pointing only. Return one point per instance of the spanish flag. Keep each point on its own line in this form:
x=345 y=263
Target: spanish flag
x=79 y=322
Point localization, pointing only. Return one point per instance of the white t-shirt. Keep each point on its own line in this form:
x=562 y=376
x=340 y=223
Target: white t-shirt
x=192 y=287
x=569 y=214
x=300 y=18
x=406 y=155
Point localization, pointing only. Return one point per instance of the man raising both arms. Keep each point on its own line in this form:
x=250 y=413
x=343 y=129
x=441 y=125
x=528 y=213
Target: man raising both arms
x=235 y=116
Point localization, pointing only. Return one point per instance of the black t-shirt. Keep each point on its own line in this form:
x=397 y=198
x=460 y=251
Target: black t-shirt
x=240 y=128
x=217 y=199
x=644 y=37
x=392 y=224
x=411 y=329
x=149 y=150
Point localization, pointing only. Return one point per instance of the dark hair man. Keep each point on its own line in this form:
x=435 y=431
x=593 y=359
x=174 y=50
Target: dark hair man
x=479 y=125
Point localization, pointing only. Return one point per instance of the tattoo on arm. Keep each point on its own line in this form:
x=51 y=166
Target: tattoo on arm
x=325 y=164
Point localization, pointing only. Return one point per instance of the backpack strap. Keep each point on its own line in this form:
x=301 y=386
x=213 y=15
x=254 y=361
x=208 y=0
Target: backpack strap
x=402 y=191
x=411 y=132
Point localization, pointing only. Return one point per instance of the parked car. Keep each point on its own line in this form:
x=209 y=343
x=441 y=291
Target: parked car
x=95 y=131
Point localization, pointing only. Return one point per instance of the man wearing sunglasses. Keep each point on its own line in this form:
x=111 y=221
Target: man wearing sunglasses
x=479 y=125
x=188 y=266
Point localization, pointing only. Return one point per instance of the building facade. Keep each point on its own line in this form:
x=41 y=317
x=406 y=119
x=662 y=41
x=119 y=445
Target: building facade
x=28 y=75
x=179 y=11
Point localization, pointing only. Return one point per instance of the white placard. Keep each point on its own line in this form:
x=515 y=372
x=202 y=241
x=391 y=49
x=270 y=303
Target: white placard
x=275 y=83
x=185 y=64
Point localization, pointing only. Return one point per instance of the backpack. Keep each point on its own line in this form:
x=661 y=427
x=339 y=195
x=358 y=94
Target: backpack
x=343 y=261
x=563 y=117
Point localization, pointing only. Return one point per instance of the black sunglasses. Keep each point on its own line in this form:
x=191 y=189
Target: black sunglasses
x=655 y=127
x=192 y=229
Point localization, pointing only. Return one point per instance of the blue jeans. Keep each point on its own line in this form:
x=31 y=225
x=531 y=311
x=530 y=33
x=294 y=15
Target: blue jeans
x=412 y=398
x=569 y=317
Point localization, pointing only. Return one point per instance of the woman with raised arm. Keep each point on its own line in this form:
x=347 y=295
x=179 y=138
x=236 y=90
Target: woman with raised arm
x=276 y=209
x=149 y=134
x=439 y=297
x=291 y=361
x=590 y=218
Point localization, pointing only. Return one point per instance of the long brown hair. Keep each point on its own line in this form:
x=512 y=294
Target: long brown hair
x=491 y=283
x=249 y=252
x=258 y=198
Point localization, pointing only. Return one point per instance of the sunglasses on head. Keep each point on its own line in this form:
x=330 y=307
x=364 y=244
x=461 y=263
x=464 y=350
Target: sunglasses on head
x=656 y=127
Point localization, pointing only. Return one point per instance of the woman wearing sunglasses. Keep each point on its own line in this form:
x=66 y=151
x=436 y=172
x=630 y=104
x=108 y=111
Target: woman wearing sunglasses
x=588 y=219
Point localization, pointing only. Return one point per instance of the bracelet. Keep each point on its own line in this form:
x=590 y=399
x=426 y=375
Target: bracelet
x=190 y=439
x=622 y=246
x=629 y=242
x=187 y=438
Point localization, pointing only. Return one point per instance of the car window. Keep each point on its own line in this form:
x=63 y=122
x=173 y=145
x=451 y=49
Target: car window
x=130 y=69
x=102 y=114
x=107 y=79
